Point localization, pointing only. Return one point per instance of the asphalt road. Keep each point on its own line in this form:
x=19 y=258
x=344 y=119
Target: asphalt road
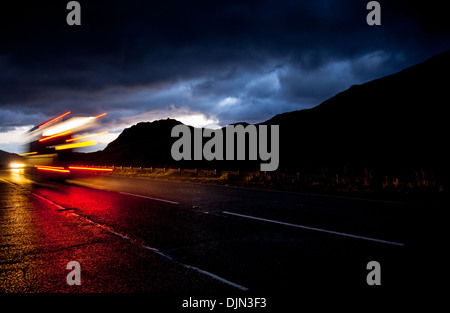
x=174 y=238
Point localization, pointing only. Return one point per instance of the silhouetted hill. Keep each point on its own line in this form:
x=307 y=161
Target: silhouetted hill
x=393 y=122
x=144 y=144
x=149 y=144
x=397 y=120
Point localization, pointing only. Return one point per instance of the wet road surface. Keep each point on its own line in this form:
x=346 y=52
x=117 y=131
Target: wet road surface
x=38 y=239
x=135 y=235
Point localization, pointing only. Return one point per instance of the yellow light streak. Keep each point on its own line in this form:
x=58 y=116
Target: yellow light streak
x=75 y=145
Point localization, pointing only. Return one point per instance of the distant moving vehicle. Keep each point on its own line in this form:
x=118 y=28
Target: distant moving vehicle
x=51 y=146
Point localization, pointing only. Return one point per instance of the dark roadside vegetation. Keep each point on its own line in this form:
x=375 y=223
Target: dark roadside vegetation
x=420 y=185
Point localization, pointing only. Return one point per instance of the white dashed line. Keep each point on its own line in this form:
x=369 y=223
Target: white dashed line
x=314 y=228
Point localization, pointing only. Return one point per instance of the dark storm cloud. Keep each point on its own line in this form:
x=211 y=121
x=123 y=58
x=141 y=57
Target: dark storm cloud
x=265 y=57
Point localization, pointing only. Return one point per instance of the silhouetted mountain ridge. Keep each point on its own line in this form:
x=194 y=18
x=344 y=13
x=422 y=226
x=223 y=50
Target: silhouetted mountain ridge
x=143 y=144
x=393 y=121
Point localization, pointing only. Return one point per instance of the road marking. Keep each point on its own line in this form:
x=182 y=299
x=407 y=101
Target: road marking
x=145 y=197
x=152 y=249
x=49 y=201
x=216 y=277
x=223 y=280
x=95 y=186
x=314 y=228
x=131 y=240
x=84 y=184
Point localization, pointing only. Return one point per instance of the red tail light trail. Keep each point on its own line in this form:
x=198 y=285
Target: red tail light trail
x=52 y=169
x=54 y=136
x=53 y=120
x=85 y=168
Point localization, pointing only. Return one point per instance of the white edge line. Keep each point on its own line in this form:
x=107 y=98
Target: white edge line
x=314 y=228
x=214 y=276
x=146 y=197
x=83 y=184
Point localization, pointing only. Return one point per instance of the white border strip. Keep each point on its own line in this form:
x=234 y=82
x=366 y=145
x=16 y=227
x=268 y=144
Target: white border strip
x=155 y=250
x=146 y=197
x=89 y=185
x=314 y=228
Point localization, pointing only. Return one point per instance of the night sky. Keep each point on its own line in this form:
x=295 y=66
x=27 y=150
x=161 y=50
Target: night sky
x=206 y=63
